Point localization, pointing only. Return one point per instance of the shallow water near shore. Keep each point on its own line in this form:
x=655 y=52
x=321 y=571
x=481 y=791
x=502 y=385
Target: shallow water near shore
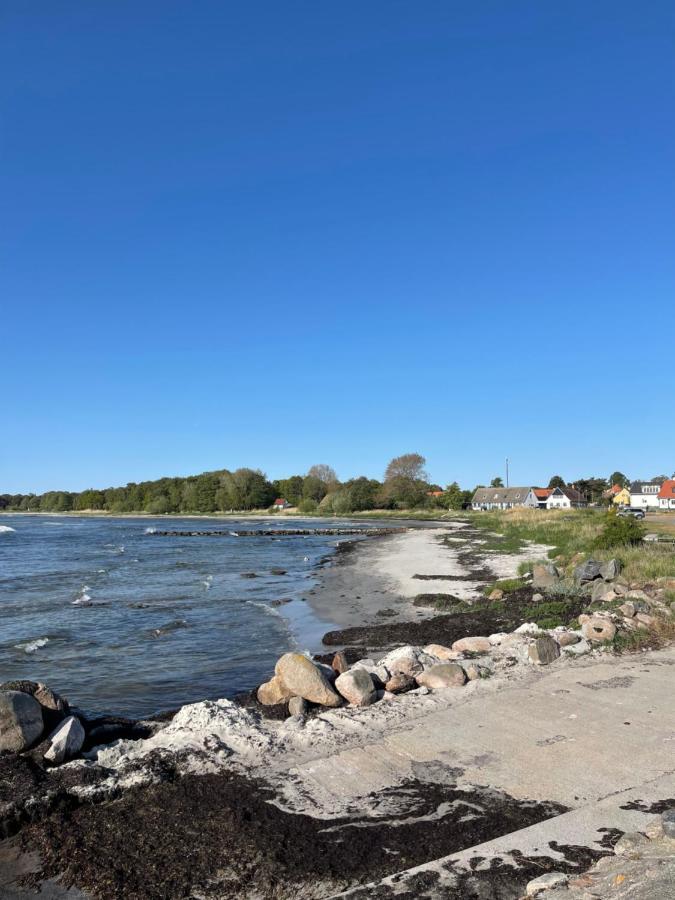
x=124 y=621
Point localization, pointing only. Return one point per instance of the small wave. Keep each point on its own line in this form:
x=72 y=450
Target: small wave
x=207 y=581
x=32 y=646
x=83 y=598
x=114 y=548
x=4 y=529
x=265 y=608
x=150 y=531
x=101 y=571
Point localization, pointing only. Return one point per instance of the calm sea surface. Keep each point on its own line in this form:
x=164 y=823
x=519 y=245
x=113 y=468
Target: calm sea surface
x=122 y=621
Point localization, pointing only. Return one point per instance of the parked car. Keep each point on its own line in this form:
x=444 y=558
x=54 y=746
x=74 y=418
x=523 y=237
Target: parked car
x=629 y=511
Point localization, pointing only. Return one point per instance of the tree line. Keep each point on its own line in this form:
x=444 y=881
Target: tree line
x=405 y=486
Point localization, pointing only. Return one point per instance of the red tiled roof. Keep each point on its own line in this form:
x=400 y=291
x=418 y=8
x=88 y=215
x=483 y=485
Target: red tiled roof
x=280 y=501
x=542 y=493
x=667 y=489
x=615 y=489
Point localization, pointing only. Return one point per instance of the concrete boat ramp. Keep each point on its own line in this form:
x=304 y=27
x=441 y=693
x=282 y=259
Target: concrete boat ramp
x=479 y=790
x=597 y=737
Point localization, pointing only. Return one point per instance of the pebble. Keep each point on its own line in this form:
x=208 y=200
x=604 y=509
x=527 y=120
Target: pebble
x=668 y=822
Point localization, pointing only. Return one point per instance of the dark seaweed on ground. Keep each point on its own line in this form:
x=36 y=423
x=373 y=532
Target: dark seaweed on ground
x=481 y=619
x=220 y=834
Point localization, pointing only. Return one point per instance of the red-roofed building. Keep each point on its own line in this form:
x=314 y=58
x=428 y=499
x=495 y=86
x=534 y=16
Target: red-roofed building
x=281 y=503
x=537 y=498
x=667 y=494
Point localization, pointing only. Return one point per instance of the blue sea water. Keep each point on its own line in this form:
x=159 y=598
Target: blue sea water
x=131 y=623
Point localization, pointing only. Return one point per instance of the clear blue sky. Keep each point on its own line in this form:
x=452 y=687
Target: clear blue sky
x=276 y=234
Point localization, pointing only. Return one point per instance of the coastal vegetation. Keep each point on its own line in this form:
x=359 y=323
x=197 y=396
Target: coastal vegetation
x=405 y=486
x=575 y=533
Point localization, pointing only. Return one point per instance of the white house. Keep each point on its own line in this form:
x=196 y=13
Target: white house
x=565 y=498
x=667 y=494
x=537 y=497
x=281 y=503
x=645 y=494
x=499 y=498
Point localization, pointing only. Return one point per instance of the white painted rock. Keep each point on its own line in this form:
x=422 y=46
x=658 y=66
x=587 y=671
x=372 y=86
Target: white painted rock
x=357 y=687
x=66 y=740
x=545 y=883
x=444 y=675
x=472 y=645
x=579 y=649
x=404 y=660
x=496 y=639
x=302 y=678
x=20 y=721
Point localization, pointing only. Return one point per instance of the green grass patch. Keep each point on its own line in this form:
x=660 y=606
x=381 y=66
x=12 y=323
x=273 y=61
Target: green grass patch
x=441 y=602
x=508 y=585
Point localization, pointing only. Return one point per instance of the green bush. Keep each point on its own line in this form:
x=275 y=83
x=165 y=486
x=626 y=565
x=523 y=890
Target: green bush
x=308 y=506
x=619 y=531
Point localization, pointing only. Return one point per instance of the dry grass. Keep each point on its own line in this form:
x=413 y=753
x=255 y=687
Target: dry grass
x=572 y=532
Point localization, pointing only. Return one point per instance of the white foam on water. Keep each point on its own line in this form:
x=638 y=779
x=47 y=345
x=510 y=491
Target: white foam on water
x=32 y=646
x=4 y=529
x=207 y=581
x=83 y=598
x=270 y=610
x=150 y=531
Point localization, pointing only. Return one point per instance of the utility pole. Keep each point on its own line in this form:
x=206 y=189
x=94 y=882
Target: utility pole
x=507 y=471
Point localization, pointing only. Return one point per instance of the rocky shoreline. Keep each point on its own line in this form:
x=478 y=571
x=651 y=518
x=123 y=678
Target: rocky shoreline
x=216 y=800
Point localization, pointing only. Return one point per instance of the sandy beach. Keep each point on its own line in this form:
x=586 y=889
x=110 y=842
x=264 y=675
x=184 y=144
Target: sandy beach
x=427 y=793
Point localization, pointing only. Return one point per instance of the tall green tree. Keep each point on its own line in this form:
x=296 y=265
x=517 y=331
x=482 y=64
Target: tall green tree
x=406 y=481
x=618 y=478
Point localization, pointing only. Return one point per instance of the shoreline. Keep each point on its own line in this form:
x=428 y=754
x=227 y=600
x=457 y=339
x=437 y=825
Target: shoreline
x=414 y=792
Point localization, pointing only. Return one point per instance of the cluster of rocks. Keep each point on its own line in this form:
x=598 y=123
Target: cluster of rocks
x=641 y=607
x=641 y=860
x=32 y=716
x=299 y=681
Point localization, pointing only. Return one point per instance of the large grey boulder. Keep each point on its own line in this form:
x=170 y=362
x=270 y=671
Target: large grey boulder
x=65 y=741
x=543 y=651
x=587 y=571
x=54 y=707
x=602 y=592
x=20 y=721
x=302 y=678
x=357 y=687
x=610 y=570
x=545 y=575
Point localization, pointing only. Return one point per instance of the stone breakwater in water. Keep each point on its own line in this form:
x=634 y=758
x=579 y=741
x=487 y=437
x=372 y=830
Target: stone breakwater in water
x=277 y=532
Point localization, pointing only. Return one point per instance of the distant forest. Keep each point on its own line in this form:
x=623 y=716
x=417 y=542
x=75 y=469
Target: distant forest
x=405 y=486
